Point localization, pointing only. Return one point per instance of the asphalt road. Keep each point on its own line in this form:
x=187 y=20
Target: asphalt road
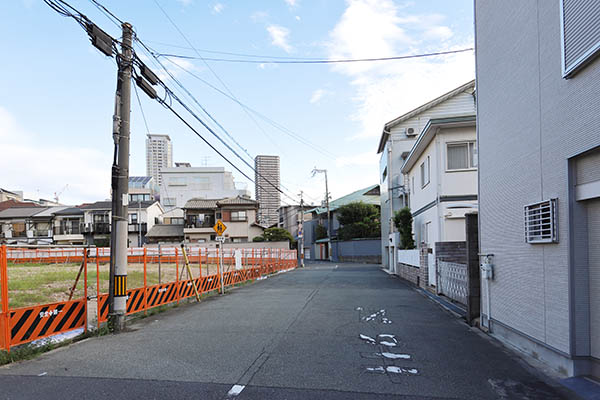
x=296 y=335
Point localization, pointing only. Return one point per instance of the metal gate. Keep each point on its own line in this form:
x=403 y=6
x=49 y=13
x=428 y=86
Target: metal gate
x=453 y=281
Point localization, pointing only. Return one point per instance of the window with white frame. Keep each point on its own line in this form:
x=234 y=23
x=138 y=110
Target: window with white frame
x=169 y=201
x=541 y=222
x=425 y=172
x=580 y=33
x=238 y=216
x=461 y=156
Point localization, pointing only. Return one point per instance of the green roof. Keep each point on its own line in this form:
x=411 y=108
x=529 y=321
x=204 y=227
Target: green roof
x=369 y=195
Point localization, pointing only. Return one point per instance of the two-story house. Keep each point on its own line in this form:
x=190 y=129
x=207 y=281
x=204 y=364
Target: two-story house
x=397 y=139
x=142 y=215
x=68 y=226
x=441 y=171
x=237 y=213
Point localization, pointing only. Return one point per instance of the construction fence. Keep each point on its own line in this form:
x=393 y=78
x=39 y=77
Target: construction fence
x=47 y=291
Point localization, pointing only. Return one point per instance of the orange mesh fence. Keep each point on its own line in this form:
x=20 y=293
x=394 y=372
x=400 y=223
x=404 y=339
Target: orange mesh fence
x=162 y=278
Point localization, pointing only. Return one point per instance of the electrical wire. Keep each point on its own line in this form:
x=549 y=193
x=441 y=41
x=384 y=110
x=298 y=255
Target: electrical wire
x=212 y=71
x=231 y=53
x=352 y=60
x=169 y=94
x=278 y=126
x=150 y=51
x=140 y=105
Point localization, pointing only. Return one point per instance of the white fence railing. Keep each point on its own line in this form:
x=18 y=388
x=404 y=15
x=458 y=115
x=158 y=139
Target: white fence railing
x=453 y=280
x=409 y=257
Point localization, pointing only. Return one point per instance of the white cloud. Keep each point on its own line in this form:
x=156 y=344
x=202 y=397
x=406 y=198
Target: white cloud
x=318 y=95
x=386 y=89
x=259 y=16
x=279 y=37
x=217 y=8
x=292 y=3
x=185 y=2
x=40 y=170
x=297 y=17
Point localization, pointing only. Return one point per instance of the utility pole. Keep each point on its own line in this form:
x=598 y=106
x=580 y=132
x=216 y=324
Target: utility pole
x=120 y=182
x=314 y=171
x=301 y=229
x=139 y=218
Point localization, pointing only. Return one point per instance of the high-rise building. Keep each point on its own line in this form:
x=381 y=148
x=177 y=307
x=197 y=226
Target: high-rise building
x=267 y=189
x=159 y=155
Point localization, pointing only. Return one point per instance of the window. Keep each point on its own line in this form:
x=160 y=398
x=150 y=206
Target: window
x=540 y=222
x=580 y=33
x=237 y=216
x=413 y=184
x=425 y=176
x=177 y=181
x=461 y=155
x=133 y=218
x=170 y=201
x=384 y=175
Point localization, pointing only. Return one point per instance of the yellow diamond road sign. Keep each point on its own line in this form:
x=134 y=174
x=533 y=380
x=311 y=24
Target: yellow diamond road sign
x=219 y=227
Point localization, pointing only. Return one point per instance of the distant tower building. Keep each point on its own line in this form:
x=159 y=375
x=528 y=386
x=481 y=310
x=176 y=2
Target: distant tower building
x=159 y=155
x=267 y=189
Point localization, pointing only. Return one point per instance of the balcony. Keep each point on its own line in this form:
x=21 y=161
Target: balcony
x=209 y=223
x=101 y=228
x=136 y=228
x=68 y=230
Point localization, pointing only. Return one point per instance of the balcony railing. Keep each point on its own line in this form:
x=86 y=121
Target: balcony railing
x=68 y=230
x=200 y=224
x=136 y=227
x=101 y=227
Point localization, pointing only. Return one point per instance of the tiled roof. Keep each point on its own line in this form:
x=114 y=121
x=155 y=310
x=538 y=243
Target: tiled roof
x=99 y=205
x=237 y=201
x=16 y=204
x=69 y=211
x=166 y=230
x=20 y=212
x=201 y=204
x=215 y=203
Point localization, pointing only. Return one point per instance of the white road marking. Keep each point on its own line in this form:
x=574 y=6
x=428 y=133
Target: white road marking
x=43 y=373
x=235 y=390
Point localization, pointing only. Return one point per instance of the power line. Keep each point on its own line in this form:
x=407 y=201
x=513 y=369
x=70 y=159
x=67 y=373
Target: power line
x=232 y=53
x=348 y=60
x=86 y=24
x=141 y=109
x=211 y=70
x=207 y=113
x=260 y=115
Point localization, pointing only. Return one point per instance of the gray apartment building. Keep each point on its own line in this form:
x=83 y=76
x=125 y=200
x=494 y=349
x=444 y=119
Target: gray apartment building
x=538 y=113
x=159 y=154
x=267 y=189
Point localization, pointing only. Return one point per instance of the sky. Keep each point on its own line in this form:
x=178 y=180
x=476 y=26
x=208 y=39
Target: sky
x=57 y=90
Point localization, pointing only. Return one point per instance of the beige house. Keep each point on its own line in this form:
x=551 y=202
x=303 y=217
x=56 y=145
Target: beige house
x=237 y=213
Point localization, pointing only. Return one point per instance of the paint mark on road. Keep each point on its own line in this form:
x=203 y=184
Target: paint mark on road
x=235 y=390
x=43 y=373
x=392 y=369
x=394 y=356
x=367 y=338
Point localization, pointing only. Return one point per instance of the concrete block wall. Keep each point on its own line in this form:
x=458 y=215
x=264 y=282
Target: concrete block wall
x=451 y=251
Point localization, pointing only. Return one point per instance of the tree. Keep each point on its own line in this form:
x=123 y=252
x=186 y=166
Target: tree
x=403 y=222
x=277 y=235
x=358 y=220
x=321 y=232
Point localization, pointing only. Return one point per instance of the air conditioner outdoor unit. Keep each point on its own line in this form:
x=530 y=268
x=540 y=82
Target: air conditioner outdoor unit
x=411 y=132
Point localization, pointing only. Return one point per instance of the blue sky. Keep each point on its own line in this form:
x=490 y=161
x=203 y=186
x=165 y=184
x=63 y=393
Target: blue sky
x=57 y=94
